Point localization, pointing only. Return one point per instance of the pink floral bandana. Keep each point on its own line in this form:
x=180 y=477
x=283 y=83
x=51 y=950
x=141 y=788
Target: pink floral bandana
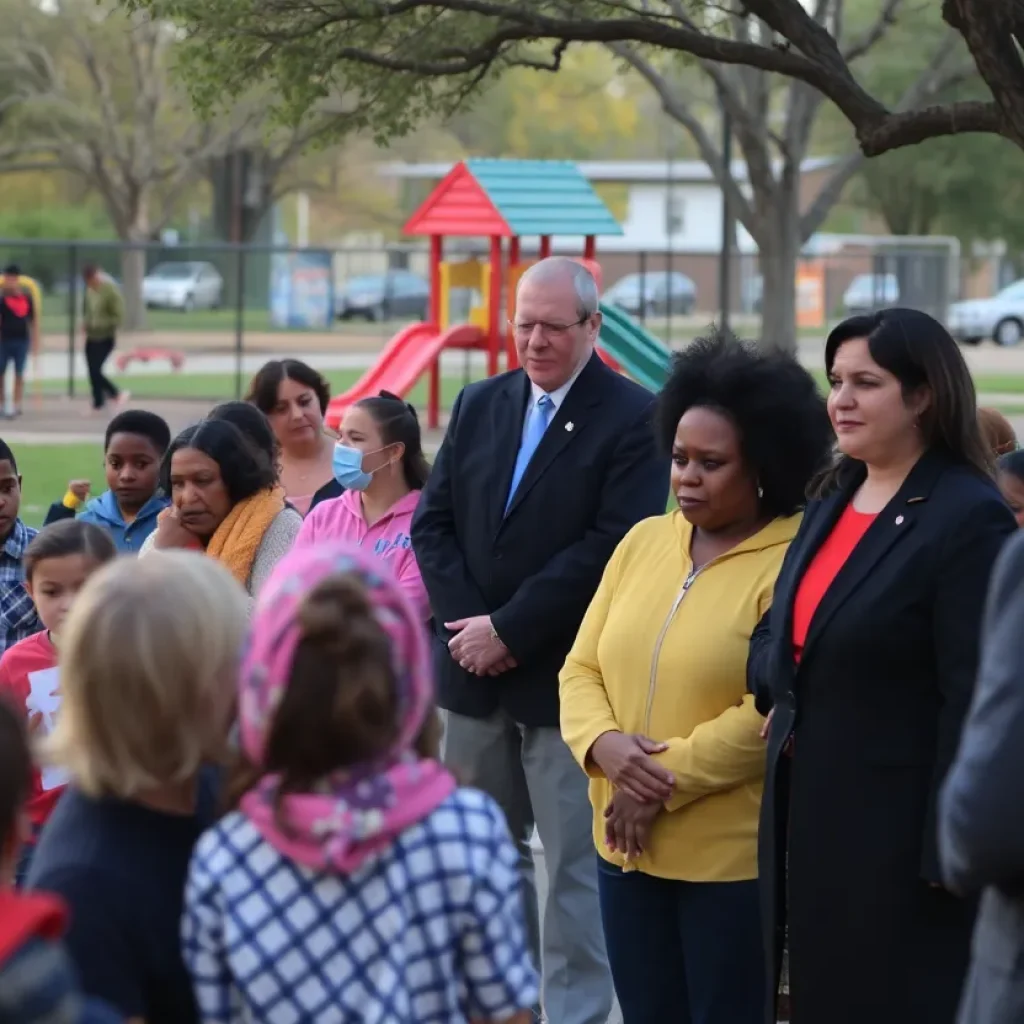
x=359 y=811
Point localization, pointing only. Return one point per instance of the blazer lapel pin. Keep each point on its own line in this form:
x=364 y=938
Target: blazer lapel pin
x=569 y=426
x=899 y=520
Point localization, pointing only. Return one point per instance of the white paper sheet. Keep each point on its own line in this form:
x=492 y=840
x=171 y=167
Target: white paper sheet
x=44 y=698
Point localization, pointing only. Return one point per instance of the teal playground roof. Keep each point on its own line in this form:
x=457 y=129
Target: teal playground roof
x=509 y=198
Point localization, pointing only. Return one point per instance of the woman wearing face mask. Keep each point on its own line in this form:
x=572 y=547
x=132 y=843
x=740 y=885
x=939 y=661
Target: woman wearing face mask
x=380 y=463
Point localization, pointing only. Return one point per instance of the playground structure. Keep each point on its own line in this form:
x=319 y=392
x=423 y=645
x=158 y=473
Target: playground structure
x=499 y=200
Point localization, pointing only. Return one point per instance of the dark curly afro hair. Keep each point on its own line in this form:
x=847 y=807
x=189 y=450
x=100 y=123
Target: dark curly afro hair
x=785 y=434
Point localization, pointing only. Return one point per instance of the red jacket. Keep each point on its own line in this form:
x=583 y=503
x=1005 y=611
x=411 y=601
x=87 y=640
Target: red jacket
x=34 y=654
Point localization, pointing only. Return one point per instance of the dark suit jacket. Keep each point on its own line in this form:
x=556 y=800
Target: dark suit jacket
x=594 y=476
x=982 y=808
x=875 y=710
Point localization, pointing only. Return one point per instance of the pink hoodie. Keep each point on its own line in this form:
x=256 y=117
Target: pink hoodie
x=389 y=538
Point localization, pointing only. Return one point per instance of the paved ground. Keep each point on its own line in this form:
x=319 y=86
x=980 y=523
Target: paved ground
x=52 y=420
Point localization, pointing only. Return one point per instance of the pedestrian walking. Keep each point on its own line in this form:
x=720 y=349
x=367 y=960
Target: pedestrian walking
x=103 y=313
x=19 y=334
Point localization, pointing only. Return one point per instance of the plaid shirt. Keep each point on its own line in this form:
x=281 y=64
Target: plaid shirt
x=430 y=931
x=18 y=618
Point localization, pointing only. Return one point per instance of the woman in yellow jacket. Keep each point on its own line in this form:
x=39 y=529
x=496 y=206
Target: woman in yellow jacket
x=653 y=694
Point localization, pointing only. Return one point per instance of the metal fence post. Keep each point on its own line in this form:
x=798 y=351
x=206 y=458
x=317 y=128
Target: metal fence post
x=643 y=287
x=72 y=314
x=239 y=319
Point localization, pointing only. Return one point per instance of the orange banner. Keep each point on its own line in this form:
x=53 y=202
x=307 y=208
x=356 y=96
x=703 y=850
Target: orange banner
x=810 y=294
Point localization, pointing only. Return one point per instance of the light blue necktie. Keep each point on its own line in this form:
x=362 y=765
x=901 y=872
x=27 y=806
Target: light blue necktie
x=540 y=417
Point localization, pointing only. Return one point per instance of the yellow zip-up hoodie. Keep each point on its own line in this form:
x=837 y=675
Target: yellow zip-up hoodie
x=664 y=654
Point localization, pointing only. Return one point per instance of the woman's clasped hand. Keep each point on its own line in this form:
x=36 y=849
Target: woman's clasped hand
x=642 y=787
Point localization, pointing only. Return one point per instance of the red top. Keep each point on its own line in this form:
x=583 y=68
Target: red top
x=18 y=663
x=24 y=916
x=824 y=568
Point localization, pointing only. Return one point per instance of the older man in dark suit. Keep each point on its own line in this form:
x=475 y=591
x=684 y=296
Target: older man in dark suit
x=982 y=813
x=542 y=472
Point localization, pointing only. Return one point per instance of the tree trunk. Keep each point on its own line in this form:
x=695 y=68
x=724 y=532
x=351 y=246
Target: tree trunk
x=779 y=245
x=133 y=270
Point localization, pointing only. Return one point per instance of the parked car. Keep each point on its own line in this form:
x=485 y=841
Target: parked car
x=868 y=292
x=662 y=291
x=395 y=294
x=186 y=286
x=1000 y=317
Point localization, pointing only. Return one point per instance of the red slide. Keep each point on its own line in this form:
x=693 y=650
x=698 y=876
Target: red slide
x=406 y=357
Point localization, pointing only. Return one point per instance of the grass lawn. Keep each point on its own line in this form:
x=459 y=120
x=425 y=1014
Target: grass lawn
x=221 y=386
x=46 y=470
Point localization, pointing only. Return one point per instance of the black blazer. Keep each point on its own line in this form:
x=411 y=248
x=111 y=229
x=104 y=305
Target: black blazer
x=595 y=475
x=875 y=710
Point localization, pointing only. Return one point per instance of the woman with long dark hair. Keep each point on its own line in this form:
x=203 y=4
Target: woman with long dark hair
x=379 y=462
x=866 y=662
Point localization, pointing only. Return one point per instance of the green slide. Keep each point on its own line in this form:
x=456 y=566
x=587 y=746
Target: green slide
x=640 y=353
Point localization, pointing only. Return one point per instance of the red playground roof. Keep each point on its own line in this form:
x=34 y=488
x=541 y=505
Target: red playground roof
x=458 y=206
x=510 y=198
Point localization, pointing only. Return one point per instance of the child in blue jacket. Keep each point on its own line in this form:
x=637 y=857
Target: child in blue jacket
x=134 y=446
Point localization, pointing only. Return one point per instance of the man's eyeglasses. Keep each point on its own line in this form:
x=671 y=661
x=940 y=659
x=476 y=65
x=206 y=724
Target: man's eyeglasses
x=524 y=330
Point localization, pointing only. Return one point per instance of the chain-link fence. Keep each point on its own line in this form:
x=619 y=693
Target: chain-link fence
x=201 y=318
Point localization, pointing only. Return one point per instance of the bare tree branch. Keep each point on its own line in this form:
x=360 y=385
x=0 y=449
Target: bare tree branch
x=936 y=122
x=876 y=33
x=814 y=216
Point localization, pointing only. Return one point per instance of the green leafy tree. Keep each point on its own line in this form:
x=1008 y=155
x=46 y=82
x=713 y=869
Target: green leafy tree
x=592 y=110
x=93 y=96
x=412 y=60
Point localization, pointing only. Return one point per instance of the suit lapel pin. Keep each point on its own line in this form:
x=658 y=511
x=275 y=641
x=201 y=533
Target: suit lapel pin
x=569 y=426
x=899 y=520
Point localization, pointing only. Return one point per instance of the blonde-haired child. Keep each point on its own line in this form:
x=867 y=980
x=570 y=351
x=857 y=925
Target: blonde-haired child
x=149 y=657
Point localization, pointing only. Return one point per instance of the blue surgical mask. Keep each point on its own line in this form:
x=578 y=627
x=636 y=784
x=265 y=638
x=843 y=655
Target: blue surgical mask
x=348 y=468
